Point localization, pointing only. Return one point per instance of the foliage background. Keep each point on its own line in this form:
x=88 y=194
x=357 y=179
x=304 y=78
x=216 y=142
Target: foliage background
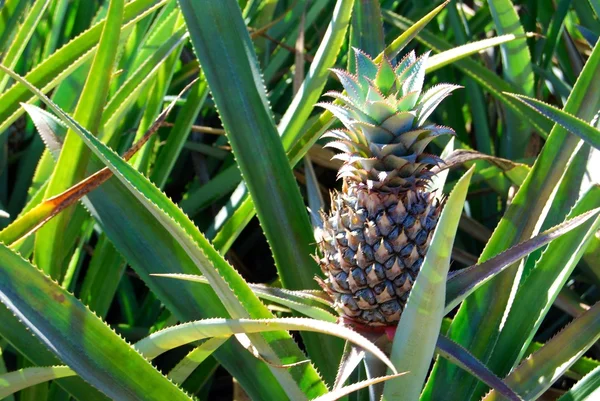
x=151 y=59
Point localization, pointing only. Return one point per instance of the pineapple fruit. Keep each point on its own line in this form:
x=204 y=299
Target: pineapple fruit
x=376 y=235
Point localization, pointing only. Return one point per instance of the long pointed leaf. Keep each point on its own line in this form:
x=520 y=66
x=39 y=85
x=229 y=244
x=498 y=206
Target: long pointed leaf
x=479 y=319
x=415 y=339
x=256 y=144
x=224 y=279
x=463 y=282
x=49 y=254
x=77 y=336
x=568 y=121
x=461 y=357
x=537 y=373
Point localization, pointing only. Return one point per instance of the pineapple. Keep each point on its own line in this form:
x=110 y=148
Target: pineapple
x=376 y=235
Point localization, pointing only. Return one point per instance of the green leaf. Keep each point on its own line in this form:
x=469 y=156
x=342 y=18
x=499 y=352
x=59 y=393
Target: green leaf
x=49 y=254
x=139 y=79
x=449 y=56
x=463 y=282
x=292 y=122
x=205 y=195
x=484 y=77
x=515 y=55
x=118 y=210
x=218 y=32
x=64 y=61
x=161 y=341
x=461 y=357
x=191 y=361
x=193 y=248
x=22 y=339
x=102 y=277
x=77 y=336
x=517 y=70
x=338 y=393
x=366 y=32
x=585 y=389
x=410 y=32
x=22 y=36
x=164 y=340
x=537 y=373
x=419 y=326
x=550 y=274
x=478 y=321
x=17 y=380
x=304 y=302
x=10 y=13
x=185 y=118
x=566 y=120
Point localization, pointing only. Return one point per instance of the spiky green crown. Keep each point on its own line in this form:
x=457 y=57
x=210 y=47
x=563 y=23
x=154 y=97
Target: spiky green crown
x=384 y=113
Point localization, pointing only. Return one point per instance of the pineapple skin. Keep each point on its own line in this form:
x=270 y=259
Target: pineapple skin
x=374 y=245
x=375 y=237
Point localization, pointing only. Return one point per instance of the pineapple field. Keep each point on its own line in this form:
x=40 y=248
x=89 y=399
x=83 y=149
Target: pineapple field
x=360 y=200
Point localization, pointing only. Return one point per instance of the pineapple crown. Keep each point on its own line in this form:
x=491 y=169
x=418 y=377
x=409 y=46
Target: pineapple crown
x=384 y=112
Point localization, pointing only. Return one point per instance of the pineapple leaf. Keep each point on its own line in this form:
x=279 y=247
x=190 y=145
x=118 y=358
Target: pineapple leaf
x=484 y=77
x=365 y=67
x=566 y=120
x=584 y=389
x=343 y=391
x=541 y=369
x=186 y=366
x=410 y=33
x=70 y=168
x=385 y=78
x=77 y=336
x=161 y=341
x=366 y=33
x=419 y=326
x=447 y=57
x=51 y=71
x=412 y=78
x=430 y=100
x=517 y=70
x=551 y=271
x=17 y=380
x=304 y=302
x=461 y=357
x=182 y=231
x=49 y=128
x=475 y=330
x=463 y=282
x=24 y=33
x=351 y=358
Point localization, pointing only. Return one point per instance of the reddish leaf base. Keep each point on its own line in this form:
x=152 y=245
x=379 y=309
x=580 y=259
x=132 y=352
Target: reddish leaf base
x=389 y=331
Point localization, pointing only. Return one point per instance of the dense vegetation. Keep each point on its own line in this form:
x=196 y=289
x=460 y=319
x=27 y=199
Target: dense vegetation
x=163 y=164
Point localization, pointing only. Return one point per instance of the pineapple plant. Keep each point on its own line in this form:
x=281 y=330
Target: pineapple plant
x=376 y=234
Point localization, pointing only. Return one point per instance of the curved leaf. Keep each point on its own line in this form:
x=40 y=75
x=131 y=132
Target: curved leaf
x=232 y=290
x=218 y=32
x=77 y=336
x=537 y=373
x=419 y=326
x=12 y=382
x=172 y=337
x=479 y=319
x=568 y=121
x=70 y=167
x=463 y=282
